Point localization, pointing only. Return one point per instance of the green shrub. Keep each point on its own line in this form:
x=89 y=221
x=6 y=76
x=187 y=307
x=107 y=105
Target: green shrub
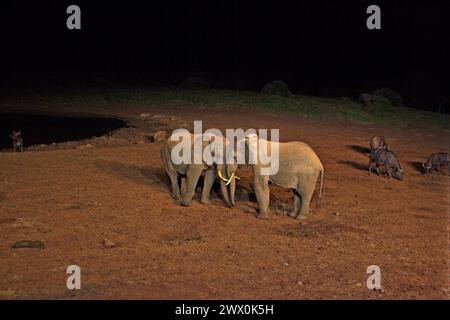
x=358 y=116
x=382 y=104
x=393 y=96
x=195 y=83
x=276 y=88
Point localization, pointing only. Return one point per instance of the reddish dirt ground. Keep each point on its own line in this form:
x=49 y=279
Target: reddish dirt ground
x=72 y=199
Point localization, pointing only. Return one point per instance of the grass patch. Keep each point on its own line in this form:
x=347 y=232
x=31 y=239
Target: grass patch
x=228 y=100
x=303 y=233
x=357 y=116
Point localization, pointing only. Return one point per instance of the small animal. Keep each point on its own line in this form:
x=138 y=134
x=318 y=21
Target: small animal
x=17 y=140
x=380 y=157
x=366 y=100
x=435 y=161
x=378 y=142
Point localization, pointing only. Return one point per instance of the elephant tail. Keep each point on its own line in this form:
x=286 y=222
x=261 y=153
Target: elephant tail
x=321 y=186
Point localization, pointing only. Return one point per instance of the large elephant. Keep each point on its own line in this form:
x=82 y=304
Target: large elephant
x=225 y=172
x=299 y=167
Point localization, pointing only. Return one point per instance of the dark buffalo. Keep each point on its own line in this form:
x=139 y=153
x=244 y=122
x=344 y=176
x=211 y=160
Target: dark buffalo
x=435 y=161
x=380 y=157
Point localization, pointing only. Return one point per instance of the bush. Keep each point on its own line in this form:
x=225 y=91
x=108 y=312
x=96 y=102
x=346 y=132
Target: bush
x=393 y=96
x=195 y=83
x=276 y=88
x=381 y=104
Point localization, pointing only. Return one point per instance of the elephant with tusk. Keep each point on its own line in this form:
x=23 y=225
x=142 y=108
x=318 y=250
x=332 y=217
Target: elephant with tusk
x=192 y=171
x=298 y=168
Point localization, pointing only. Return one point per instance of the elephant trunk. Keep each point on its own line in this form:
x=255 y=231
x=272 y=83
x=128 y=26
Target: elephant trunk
x=224 y=189
x=232 y=191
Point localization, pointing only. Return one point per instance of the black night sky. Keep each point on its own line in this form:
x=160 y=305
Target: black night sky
x=316 y=47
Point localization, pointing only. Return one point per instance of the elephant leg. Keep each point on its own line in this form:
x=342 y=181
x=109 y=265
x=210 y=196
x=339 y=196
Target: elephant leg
x=210 y=176
x=306 y=189
x=370 y=166
x=174 y=183
x=262 y=192
x=182 y=182
x=192 y=175
x=297 y=205
x=172 y=173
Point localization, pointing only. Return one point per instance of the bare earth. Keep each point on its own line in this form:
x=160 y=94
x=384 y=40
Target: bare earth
x=74 y=197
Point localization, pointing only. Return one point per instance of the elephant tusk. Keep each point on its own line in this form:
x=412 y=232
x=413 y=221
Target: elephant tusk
x=233 y=175
x=222 y=177
x=231 y=178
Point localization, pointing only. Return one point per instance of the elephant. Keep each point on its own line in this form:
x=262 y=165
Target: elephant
x=225 y=172
x=299 y=168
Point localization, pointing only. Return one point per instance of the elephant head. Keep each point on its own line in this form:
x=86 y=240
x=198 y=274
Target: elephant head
x=225 y=164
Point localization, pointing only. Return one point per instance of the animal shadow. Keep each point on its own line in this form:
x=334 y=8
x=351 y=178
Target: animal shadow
x=360 y=149
x=244 y=193
x=417 y=166
x=353 y=164
x=150 y=176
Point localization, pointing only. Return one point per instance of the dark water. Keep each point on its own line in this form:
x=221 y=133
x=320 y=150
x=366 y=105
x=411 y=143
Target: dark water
x=46 y=129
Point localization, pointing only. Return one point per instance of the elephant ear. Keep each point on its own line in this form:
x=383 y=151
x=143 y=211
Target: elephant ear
x=208 y=150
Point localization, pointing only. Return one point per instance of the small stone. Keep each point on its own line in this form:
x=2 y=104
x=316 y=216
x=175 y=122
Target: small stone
x=337 y=214
x=7 y=293
x=159 y=135
x=108 y=244
x=34 y=244
x=359 y=284
x=249 y=210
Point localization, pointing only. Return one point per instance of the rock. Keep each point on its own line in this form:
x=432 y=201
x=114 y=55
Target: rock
x=249 y=210
x=144 y=115
x=34 y=244
x=7 y=293
x=158 y=136
x=108 y=244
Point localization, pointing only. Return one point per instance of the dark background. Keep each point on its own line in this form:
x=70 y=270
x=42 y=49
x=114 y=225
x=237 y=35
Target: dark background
x=317 y=47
